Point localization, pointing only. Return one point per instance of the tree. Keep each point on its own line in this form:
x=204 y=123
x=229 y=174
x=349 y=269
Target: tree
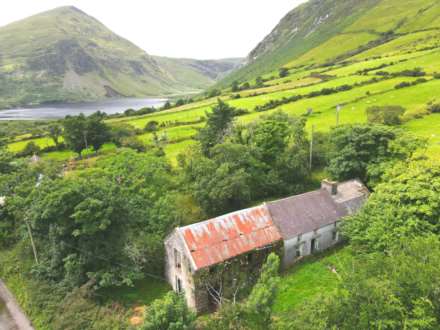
x=75 y=133
x=55 y=132
x=214 y=92
x=260 y=301
x=405 y=205
x=97 y=131
x=359 y=151
x=218 y=123
x=380 y=291
x=151 y=126
x=256 y=311
x=30 y=149
x=283 y=72
x=106 y=224
x=81 y=132
x=169 y=313
x=235 y=87
x=388 y=115
x=259 y=82
x=218 y=187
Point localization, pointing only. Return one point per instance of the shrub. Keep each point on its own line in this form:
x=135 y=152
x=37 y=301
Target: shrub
x=403 y=84
x=133 y=143
x=436 y=75
x=30 y=149
x=387 y=115
x=283 y=72
x=213 y=93
x=170 y=312
x=151 y=126
x=434 y=108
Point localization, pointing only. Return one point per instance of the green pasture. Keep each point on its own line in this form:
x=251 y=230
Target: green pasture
x=312 y=277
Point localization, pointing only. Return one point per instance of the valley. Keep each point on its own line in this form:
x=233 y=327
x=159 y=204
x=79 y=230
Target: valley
x=339 y=89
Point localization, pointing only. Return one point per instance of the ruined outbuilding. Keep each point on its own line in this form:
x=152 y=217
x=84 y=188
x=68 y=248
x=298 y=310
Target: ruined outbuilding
x=208 y=260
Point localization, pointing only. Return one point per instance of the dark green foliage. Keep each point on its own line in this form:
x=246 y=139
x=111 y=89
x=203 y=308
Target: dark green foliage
x=235 y=87
x=283 y=72
x=379 y=291
x=321 y=146
x=360 y=151
x=167 y=105
x=97 y=132
x=406 y=84
x=266 y=158
x=436 y=75
x=434 y=108
x=256 y=311
x=259 y=82
x=134 y=143
x=218 y=122
x=120 y=132
x=386 y=115
x=151 y=126
x=55 y=132
x=417 y=72
x=169 y=313
x=30 y=149
x=81 y=132
x=213 y=93
x=406 y=205
x=106 y=224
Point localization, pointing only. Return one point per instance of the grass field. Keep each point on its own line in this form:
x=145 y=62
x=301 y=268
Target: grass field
x=309 y=278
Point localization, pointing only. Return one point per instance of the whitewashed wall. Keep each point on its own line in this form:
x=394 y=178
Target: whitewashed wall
x=324 y=237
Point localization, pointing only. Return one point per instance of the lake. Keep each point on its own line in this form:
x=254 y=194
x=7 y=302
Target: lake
x=58 y=111
x=6 y=322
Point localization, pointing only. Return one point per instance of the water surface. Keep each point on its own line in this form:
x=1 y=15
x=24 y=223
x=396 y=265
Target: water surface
x=60 y=110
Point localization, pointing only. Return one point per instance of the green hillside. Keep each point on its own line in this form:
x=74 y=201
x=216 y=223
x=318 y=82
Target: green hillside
x=326 y=31
x=66 y=55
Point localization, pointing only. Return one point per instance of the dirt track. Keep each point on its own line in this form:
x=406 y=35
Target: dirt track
x=17 y=315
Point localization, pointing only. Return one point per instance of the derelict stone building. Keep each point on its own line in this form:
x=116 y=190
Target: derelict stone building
x=293 y=227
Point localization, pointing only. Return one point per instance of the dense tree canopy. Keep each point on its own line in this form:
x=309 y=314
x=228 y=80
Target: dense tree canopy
x=266 y=158
x=405 y=205
x=169 y=313
x=81 y=132
x=360 y=151
x=105 y=224
x=218 y=123
x=398 y=291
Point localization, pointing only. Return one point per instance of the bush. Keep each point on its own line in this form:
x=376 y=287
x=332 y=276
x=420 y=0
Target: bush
x=283 y=72
x=387 y=115
x=403 y=84
x=151 y=126
x=133 y=143
x=170 y=312
x=214 y=93
x=436 y=75
x=30 y=149
x=434 y=108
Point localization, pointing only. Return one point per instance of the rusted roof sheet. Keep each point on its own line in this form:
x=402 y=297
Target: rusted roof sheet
x=214 y=241
x=305 y=213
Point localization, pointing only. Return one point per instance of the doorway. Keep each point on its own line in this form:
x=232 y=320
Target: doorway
x=313 y=245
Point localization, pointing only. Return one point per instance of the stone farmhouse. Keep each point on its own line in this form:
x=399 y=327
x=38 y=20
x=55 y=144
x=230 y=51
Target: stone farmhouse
x=207 y=260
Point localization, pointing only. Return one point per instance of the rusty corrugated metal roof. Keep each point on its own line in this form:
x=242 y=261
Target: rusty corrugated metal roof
x=214 y=241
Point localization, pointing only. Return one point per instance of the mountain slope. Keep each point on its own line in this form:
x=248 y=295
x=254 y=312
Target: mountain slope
x=66 y=55
x=200 y=73
x=324 y=31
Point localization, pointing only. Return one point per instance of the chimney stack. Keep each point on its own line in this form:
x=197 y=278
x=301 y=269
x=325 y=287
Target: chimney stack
x=330 y=186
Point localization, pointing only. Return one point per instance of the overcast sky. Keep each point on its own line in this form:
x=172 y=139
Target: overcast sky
x=200 y=29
